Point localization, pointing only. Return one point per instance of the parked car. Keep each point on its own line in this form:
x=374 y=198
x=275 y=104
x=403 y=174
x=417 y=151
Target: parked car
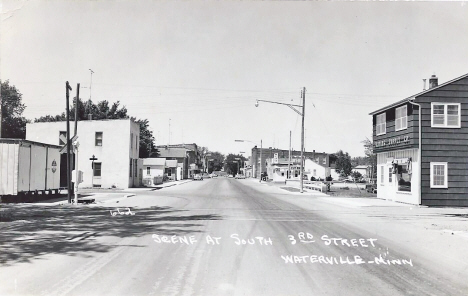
x=197 y=177
x=240 y=176
x=371 y=188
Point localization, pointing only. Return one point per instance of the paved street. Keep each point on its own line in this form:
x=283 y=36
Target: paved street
x=233 y=237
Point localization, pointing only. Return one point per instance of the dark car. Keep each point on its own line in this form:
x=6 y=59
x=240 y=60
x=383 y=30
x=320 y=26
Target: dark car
x=371 y=188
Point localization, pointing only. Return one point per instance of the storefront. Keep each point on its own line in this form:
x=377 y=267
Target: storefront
x=421 y=144
x=398 y=176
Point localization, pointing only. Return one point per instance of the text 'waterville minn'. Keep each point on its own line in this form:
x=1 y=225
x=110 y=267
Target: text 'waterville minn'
x=299 y=238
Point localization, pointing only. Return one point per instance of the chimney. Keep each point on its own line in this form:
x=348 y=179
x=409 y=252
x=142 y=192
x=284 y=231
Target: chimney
x=433 y=81
x=424 y=84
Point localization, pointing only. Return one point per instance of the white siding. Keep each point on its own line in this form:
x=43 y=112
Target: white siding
x=24 y=164
x=114 y=154
x=9 y=168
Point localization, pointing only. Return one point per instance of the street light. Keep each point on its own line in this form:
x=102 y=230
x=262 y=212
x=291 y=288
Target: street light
x=255 y=167
x=302 y=131
x=206 y=161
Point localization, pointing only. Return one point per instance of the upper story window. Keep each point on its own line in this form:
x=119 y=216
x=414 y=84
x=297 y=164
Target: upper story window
x=98 y=139
x=445 y=115
x=131 y=140
x=381 y=124
x=401 y=118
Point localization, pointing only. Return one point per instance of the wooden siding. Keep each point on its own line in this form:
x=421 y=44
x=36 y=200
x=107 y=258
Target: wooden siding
x=448 y=145
x=411 y=131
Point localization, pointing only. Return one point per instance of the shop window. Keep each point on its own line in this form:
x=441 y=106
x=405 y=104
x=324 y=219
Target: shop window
x=381 y=125
x=403 y=176
x=439 y=175
x=97 y=169
x=390 y=175
x=98 y=139
x=401 y=118
x=445 y=115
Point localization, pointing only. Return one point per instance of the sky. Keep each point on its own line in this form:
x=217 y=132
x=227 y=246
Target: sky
x=195 y=69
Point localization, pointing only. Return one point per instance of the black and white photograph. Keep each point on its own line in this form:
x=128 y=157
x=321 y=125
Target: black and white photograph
x=241 y=148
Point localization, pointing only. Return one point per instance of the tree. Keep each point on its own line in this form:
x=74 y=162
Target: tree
x=103 y=110
x=371 y=157
x=217 y=161
x=356 y=176
x=232 y=164
x=343 y=163
x=13 y=124
x=147 y=147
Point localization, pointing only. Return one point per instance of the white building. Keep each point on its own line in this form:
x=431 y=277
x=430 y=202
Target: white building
x=316 y=170
x=113 y=143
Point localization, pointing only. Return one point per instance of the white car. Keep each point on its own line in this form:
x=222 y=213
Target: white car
x=198 y=177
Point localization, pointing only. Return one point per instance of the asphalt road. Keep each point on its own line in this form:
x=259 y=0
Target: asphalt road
x=217 y=237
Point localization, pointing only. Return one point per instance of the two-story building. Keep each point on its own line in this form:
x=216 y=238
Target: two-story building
x=107 y=153
x=187 y=156
x=421 y=144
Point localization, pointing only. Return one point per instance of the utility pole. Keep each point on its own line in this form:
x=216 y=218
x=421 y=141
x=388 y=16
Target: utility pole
x=261 y=152
x=1 y=118
x=302 y=140
x=289 y=162
x=76 y=107
x=68 y=88
x=90 y=83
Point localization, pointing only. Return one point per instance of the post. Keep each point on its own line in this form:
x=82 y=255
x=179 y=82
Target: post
x=289 y=163
x=261 y=152
x=1 y=111
x=302 y=141
x=68 y=88
x=76 y=108
x=76 y=170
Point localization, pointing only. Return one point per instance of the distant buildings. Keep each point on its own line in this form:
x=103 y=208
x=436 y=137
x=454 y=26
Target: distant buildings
x=275 y=162
x=187 y=155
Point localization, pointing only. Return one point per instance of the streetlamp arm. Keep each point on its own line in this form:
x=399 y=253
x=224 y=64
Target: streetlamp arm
x=289 y=105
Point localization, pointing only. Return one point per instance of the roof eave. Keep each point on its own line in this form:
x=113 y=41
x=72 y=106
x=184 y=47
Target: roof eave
x=417 y=95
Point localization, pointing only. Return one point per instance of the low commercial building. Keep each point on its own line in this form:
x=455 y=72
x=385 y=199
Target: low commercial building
x=274 y=153
x=107 y=153
x=153 y=171
x=316 y=171
x=421 y=144
x=187 y=156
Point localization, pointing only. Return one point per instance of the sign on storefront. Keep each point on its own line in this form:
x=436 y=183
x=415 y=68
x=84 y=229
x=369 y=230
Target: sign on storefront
x=392 y=141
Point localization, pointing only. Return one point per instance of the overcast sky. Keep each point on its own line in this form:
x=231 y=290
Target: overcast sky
x=199 y=67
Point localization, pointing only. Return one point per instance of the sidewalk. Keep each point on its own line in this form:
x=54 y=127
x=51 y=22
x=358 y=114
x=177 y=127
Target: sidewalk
x=107 y=195
x=287 y=188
